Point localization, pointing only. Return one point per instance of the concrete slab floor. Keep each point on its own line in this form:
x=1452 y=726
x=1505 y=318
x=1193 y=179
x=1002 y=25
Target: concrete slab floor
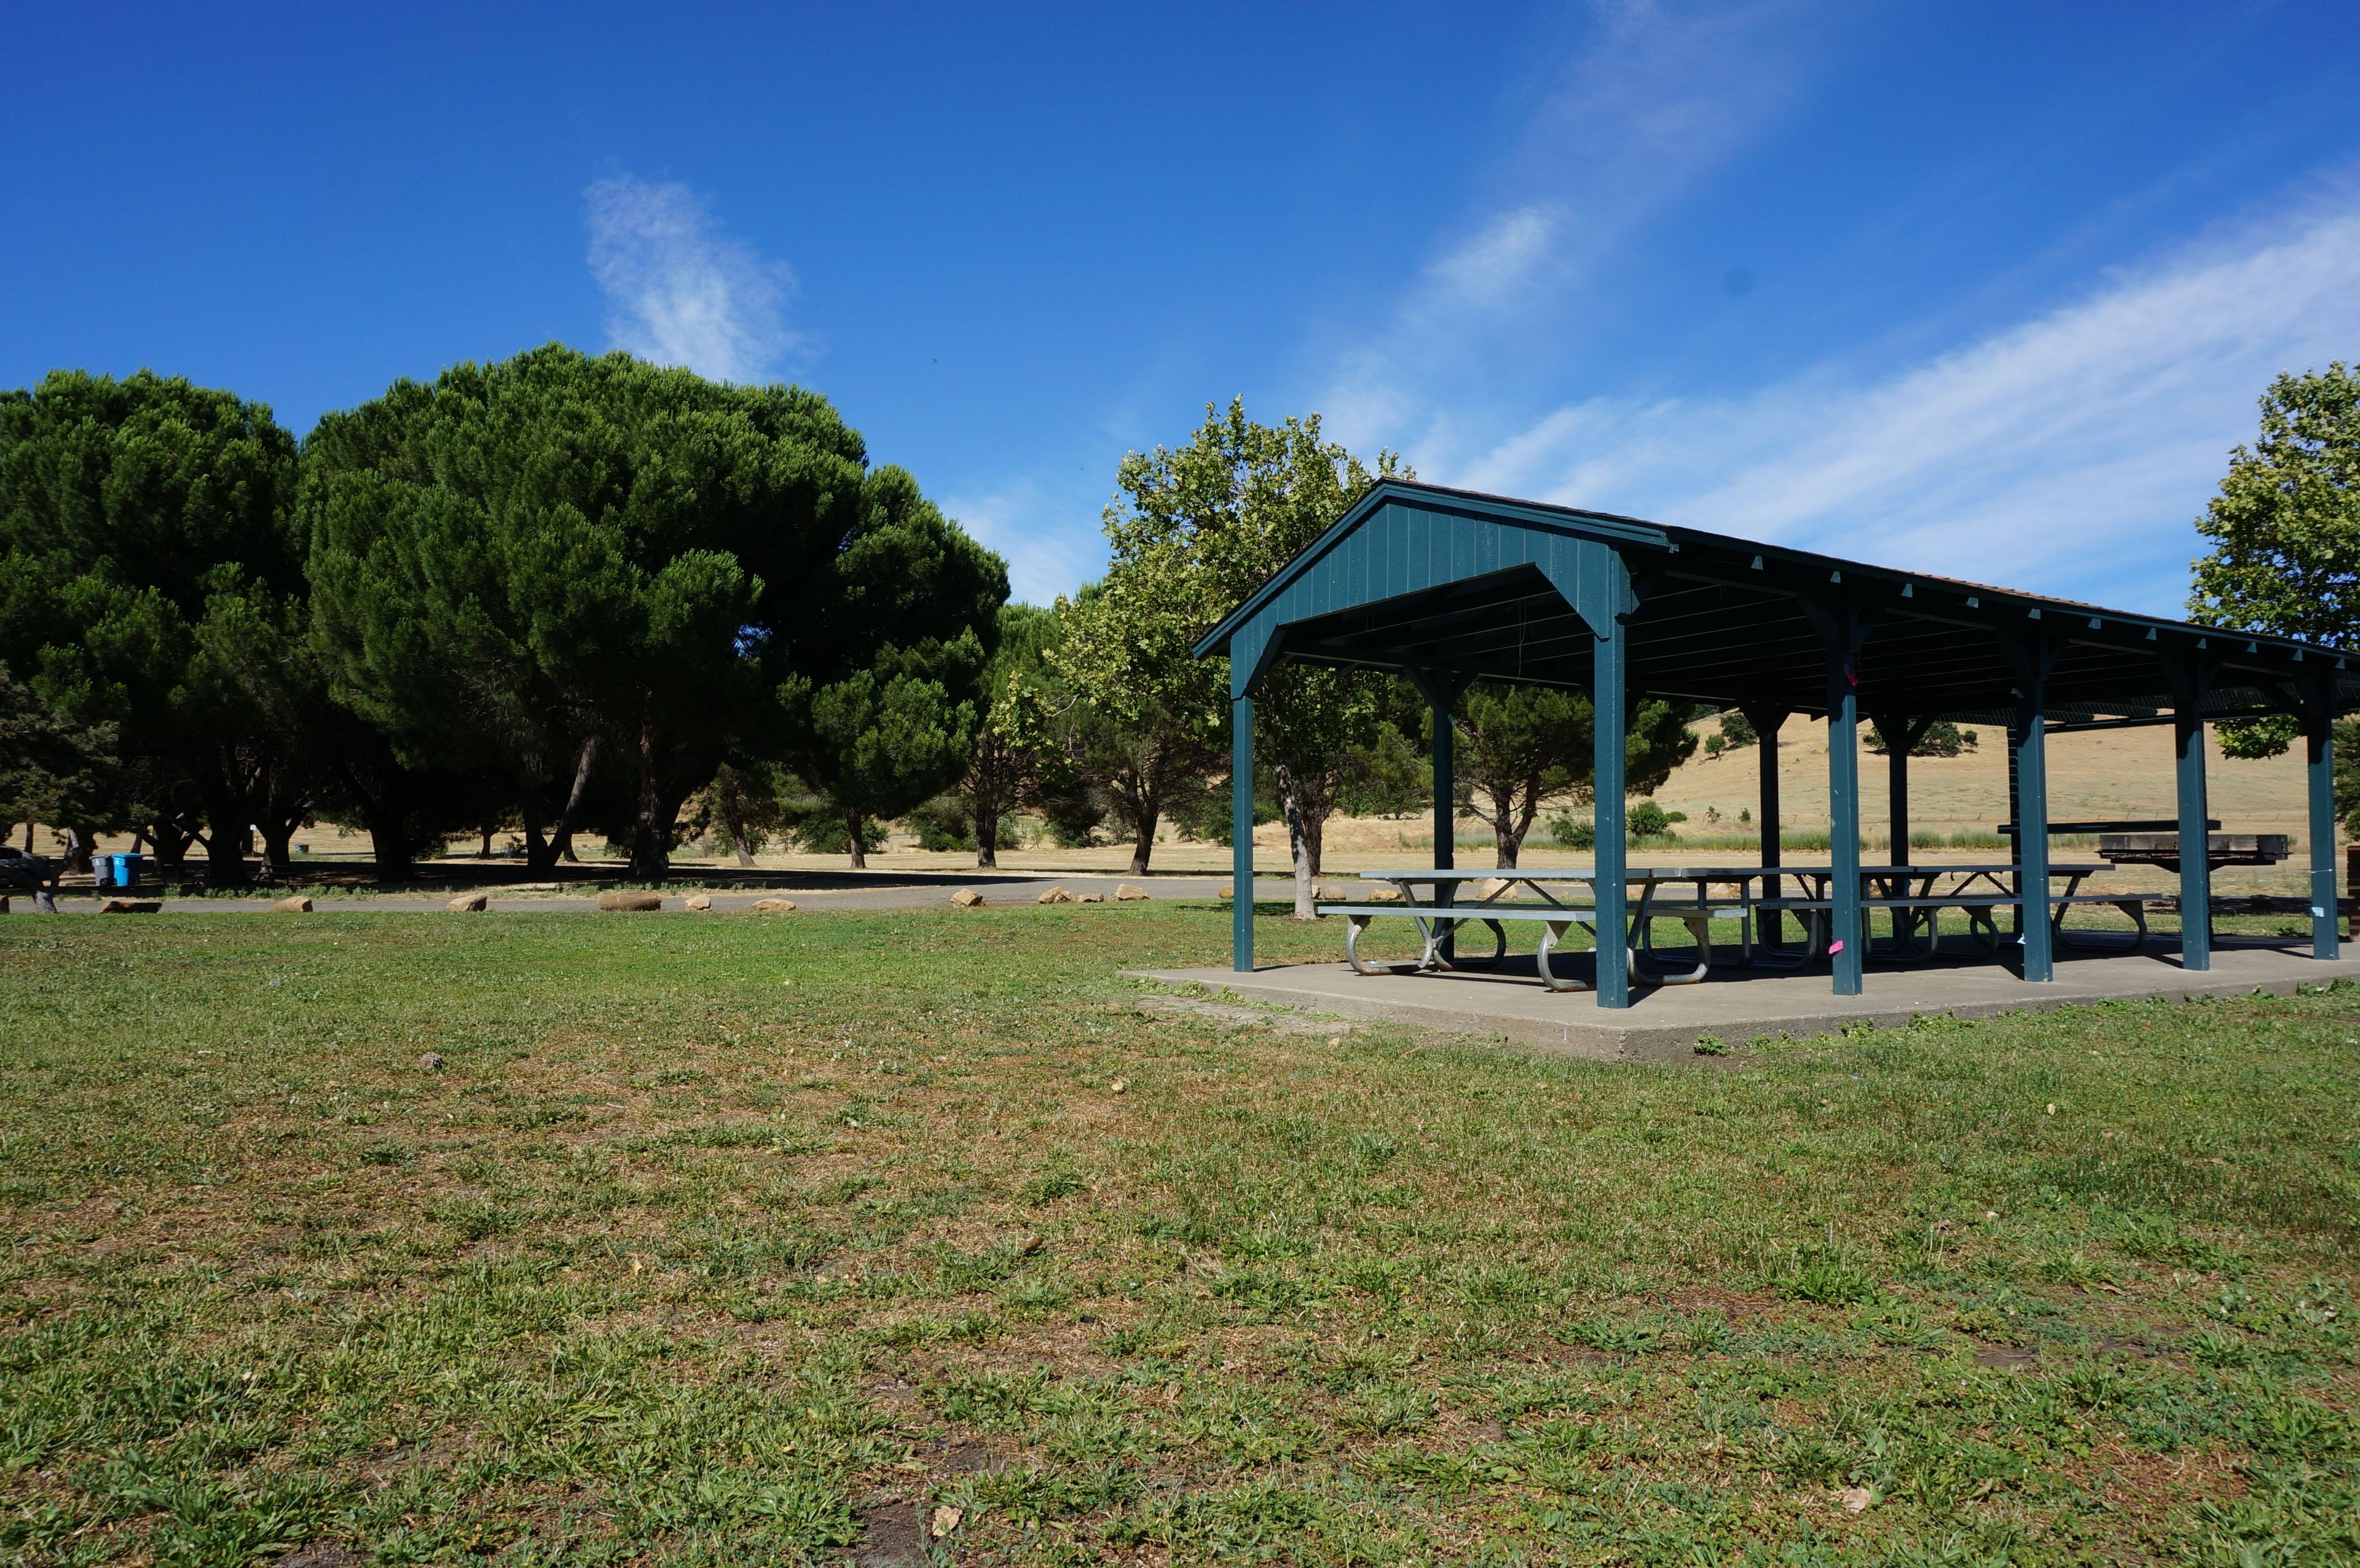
x=1737 y=1005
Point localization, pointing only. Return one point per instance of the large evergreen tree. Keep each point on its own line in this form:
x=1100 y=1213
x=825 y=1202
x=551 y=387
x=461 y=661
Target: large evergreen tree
x=519 y=561
x=885 y=658
x=150 y=575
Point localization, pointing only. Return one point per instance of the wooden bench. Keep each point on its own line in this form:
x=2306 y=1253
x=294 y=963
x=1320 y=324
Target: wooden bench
x=1436 y=921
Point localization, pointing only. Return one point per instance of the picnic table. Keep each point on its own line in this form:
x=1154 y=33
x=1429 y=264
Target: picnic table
x=1908 y=894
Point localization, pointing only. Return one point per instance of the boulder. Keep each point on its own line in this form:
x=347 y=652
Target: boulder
x=700 y=901
x=1127 y=893
x=297 y=905
x=966 y=899
x=1054 y=895
x=1089 y=897
x=469 y=904
x=774 y=906
x=619 y=902
x=131 y=907
x=1387 y=895
x=1493 y=886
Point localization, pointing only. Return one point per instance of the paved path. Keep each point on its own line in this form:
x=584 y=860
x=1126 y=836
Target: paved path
x=847 y=892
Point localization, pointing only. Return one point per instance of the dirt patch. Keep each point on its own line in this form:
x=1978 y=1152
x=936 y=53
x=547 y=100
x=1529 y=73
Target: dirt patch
x=1239 y=1015
x=2006 y=1357
x=892 y=1535
x=323 y=1554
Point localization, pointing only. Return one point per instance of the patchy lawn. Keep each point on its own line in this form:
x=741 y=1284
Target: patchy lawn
x=734 y=1239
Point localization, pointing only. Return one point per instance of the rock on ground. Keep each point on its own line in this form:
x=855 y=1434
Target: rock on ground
x=1054 y=895
x=295 y=906
x=966 y=899
x=700 y=901
x=469 y=904
x=1127 y=893
x=131 y=907
x=620 y=902
x=774 y=906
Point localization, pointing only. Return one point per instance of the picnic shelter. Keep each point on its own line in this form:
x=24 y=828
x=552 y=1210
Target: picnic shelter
x=1446 y=587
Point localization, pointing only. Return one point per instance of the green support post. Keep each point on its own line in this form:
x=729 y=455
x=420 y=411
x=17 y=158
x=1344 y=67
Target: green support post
x=1608 y=669
x=1767 y=722
x=1844 y=627
x=1241 y=823
x=1845 y=926
x=2320 y=746
x=2195 y=825
x=2028 y=738
x=1441 y=695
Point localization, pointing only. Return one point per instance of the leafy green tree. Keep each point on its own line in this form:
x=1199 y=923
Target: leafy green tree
x=1519 y=746
x=2285 y=526
x=1943 y=739
x=518 y=560
x=1005 y=770
x=890 y=658
x=1136 y=720
x=53 y=769
x=2285 y=529
x=1388 y=777
x=1196 y=531
x=740 y=808
x=149 y=570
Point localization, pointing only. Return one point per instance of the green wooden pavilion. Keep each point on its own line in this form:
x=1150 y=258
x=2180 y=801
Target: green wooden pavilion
x=1446 y=587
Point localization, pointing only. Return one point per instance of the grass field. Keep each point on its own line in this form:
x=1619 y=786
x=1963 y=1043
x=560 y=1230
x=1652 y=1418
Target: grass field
x=727 y=1239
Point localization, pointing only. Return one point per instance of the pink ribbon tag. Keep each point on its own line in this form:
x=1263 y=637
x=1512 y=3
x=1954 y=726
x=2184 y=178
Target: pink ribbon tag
x=1835 y=947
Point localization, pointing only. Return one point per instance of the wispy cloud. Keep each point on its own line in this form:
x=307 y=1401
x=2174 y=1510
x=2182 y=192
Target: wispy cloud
x=2070 y=451
x=681 y=292
x=1048 y=552
x=1653 y=102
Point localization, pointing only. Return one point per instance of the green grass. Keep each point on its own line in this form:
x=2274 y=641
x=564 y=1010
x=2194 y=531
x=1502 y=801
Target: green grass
x=714 y=1233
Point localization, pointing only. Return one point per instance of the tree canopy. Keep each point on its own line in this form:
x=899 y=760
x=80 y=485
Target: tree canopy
x=518 y=559
x=1195 y=531
x=150 y=577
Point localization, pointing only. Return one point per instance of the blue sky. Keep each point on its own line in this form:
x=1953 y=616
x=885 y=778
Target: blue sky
x=1987 y=288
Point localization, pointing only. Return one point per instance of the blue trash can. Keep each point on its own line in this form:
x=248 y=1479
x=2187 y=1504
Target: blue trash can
x=127 y=869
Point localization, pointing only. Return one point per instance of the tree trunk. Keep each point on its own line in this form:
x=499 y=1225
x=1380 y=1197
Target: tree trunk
x=1298 y=843
x=484 y=851
x=78 y=847
x=172 y=844
x=987 y=837
x=388 y=841
x=277 y=850
x=651 y=832
x=225 y=843
x=538 y=854
x=560 y=843
x=983 y=807
x=745 y=860
x=853 y=824
x=1142 y=843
